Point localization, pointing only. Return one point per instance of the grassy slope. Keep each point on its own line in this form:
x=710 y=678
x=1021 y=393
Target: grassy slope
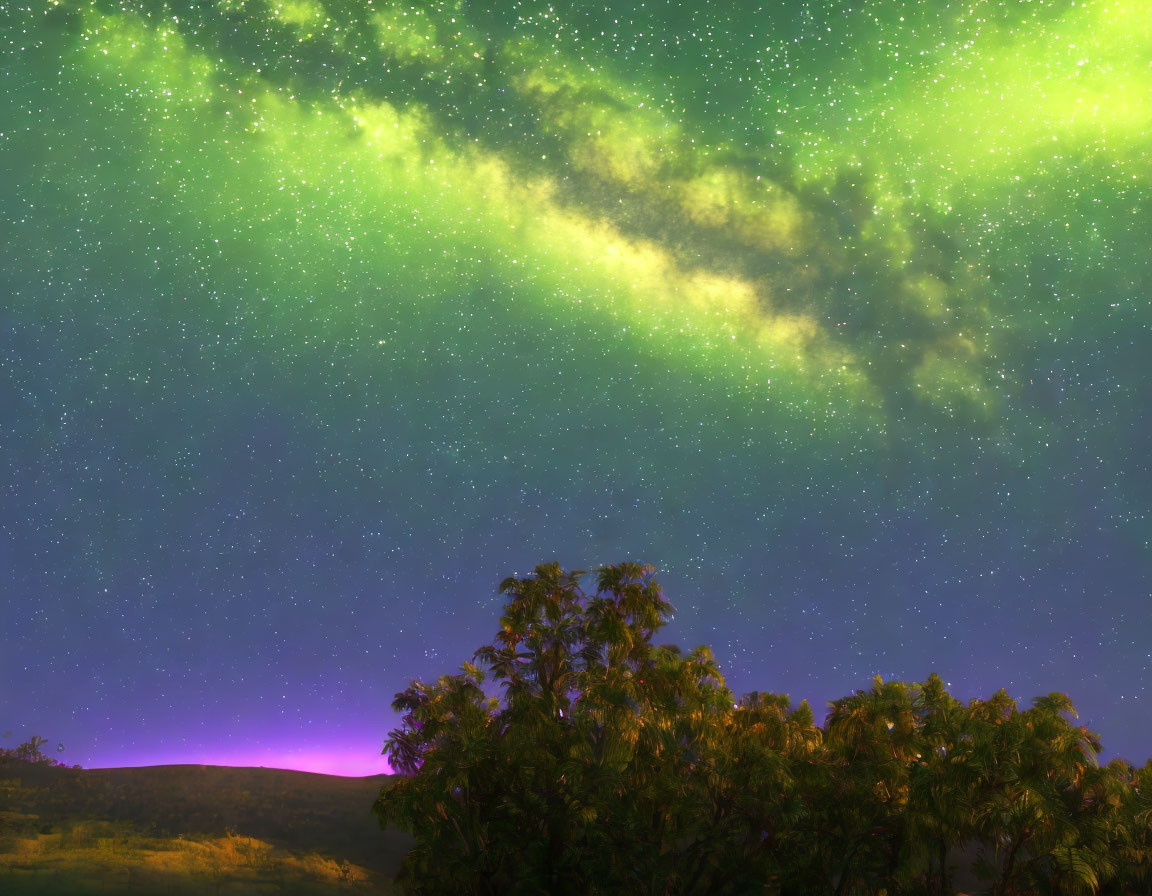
x=191 y=829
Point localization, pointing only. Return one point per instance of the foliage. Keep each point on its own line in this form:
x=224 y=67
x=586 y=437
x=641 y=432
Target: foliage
x=607 y=764
x=30 y=752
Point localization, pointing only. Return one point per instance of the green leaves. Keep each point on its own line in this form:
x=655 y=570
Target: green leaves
x=608 y=764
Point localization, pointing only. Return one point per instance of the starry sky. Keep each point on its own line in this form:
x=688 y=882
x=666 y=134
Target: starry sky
x=321 y=317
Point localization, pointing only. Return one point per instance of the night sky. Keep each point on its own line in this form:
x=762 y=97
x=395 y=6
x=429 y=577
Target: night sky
x=321 y=317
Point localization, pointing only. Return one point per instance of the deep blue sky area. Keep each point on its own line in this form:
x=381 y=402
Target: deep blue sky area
x=321 y=318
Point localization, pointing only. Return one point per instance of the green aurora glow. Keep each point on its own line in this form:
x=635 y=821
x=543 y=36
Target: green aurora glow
x=859 y=244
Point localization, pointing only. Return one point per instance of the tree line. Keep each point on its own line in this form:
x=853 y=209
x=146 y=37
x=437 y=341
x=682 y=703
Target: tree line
x=601 y=762
x=30 y=753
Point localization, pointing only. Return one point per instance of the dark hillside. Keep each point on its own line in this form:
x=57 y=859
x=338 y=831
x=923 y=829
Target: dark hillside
x=296 y=811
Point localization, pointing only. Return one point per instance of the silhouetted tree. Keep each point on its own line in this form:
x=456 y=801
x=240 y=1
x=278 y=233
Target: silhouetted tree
x=30 y=752
x=603 y=763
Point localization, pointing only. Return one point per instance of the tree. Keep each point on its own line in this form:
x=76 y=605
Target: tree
x=574 y=755
x=30 y=752
x=594 y=723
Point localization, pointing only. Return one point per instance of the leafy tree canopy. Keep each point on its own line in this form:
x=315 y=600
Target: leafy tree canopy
x=30 y=752
x=602 y=763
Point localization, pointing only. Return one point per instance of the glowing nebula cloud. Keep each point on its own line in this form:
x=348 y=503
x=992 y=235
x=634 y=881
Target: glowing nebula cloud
x=322 y=317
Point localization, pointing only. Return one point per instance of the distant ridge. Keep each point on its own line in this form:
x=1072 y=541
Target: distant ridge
x=296 y=810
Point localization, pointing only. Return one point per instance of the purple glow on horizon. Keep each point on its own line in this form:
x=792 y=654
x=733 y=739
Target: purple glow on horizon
x=277 y=418
x=344 y=763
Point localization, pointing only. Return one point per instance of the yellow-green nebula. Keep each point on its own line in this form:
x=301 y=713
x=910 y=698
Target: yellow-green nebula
x=322 y=317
